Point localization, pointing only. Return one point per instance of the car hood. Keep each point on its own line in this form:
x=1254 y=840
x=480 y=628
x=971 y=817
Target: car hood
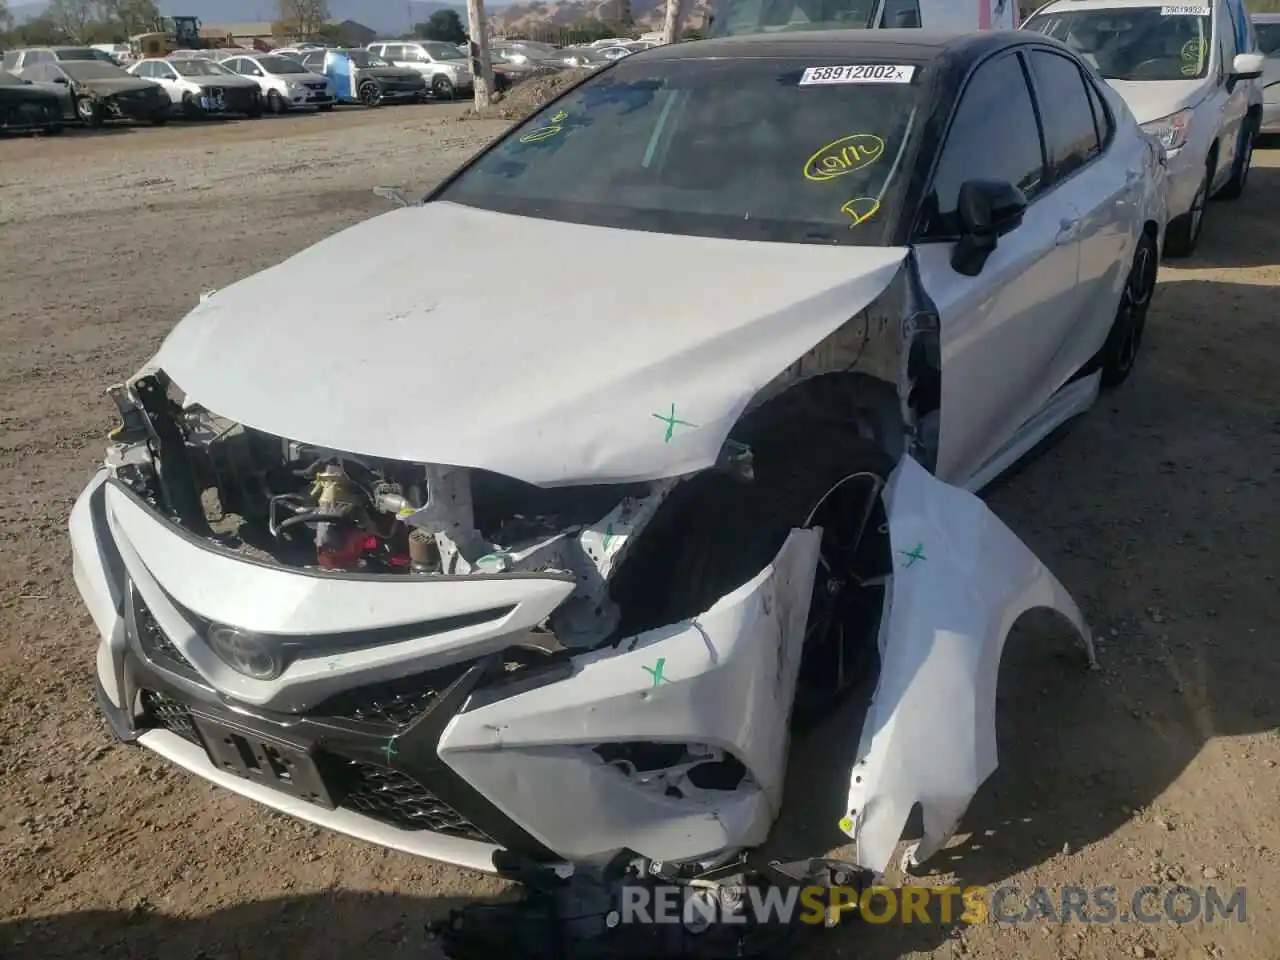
x=225 y=83
x=551 y=352
x=27 y=92
x=1155 y=99
x=1270 y=75
x=114 y=86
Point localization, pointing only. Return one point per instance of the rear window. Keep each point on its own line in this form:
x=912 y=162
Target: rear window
x=85 y=53
x=1135 y=43
x=740 y=149
x=281 y=65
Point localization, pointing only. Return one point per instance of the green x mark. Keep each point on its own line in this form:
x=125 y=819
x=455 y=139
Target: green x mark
x=656 y=672
x=389 y=750
x=608 y=537
x=672 y=422
x=913 y=555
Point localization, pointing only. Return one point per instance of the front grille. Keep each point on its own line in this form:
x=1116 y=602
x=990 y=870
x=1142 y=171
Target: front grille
x=392 y=703
x=155 y=642
x=171 y=715
x=380 y=793
x=398 y=800
x=315 y=86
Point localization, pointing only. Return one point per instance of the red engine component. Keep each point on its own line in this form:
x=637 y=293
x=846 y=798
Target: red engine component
x=346 y=552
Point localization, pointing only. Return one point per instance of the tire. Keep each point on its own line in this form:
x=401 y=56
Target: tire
x=1243 y=162
x=276 y=104
x=159 y=119
x=1184 y=232
x=190 y=109
x=370 y=94
x=89 y=113
x=714 y=533
x=1118 y=354
x=442 y=88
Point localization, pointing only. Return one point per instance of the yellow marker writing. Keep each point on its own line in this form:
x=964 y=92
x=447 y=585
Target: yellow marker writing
x=542 y=133
x=860 y=209
x=560 y=117
x=843 y=156
x=846 y=824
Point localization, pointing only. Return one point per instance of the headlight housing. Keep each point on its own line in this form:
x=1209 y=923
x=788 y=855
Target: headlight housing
x=1172 y=130
x=246 y=653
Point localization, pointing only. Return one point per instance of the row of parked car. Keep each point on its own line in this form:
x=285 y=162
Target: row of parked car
x=45 y=87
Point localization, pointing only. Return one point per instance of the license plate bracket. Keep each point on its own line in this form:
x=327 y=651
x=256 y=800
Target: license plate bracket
x=287 y=767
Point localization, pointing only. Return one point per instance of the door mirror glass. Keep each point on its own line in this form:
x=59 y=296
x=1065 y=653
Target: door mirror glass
x=987 y=210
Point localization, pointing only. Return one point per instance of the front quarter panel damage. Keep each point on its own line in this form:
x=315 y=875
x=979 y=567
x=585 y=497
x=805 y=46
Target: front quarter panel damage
x=961 y=579
x=721 y=682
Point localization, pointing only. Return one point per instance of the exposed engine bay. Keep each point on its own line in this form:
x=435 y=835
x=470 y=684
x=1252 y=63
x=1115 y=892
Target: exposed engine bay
x=303 y=506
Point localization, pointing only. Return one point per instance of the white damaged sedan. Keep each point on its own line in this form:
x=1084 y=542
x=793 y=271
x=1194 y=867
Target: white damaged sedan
x=539 y=567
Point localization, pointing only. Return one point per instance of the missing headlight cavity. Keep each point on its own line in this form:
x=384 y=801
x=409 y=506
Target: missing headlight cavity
x=283 y=502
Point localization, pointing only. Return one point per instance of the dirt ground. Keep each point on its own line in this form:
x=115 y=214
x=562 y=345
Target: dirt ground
x=1158 y=511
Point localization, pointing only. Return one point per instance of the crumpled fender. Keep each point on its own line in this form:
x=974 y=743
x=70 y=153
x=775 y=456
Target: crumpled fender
x=961 y=579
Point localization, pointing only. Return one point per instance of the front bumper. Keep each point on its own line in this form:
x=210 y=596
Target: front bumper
x=1270 y=117
x=137 y=108
x=312 y=98
x=426 y=744
x=231 y=100
x=403 y=91
x=1184 y=176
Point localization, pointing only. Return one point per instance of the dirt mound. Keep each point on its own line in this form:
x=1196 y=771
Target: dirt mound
x=532 y=95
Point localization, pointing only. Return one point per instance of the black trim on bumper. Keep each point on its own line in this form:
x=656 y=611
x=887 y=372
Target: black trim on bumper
x=373 y=763
x=117 y=719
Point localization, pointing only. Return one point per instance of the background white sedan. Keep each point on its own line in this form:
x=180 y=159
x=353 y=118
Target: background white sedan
x=200 y=87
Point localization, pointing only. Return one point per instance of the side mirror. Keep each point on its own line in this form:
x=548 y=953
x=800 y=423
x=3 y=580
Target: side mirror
x=1247 y=66
x=988 y=209
x=395 y=194
x=60 y=80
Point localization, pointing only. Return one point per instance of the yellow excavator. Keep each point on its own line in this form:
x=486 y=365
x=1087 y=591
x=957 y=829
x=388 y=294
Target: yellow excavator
x=176 y=33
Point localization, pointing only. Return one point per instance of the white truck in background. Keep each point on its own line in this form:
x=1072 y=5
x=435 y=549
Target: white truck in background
x=735 y=17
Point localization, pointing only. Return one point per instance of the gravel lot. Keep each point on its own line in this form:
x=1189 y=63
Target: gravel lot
x=1158 y=511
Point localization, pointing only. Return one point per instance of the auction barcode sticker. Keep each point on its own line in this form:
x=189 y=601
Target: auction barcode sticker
x=858 y=73
x=1184 y=11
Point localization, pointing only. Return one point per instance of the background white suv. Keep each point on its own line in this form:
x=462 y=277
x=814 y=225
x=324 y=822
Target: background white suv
x=1189 y=72
x=447 y=69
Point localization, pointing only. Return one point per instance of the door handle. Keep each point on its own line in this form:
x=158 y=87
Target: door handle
x=1066 y=231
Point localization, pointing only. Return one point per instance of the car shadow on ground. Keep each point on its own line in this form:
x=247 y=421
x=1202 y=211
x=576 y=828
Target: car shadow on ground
x=1154 y=512
x=1231 y=229
x=371 y=926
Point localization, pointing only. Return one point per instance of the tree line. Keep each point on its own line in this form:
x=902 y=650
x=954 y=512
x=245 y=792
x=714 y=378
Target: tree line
x=115 y=21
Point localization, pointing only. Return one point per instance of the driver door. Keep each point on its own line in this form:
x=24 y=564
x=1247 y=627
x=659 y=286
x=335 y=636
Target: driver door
x=1000 y=330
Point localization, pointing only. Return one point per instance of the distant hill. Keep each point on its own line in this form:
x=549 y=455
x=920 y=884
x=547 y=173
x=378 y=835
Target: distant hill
x=528 y=15
x=391 y=17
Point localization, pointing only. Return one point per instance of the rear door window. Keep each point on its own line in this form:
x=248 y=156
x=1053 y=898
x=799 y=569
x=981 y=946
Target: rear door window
x=1071 y=134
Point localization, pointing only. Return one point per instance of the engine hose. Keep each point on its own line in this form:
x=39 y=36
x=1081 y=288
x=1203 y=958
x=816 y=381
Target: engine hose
x=314 y=516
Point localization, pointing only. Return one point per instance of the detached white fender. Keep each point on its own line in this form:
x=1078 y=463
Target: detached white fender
x=961 y=578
